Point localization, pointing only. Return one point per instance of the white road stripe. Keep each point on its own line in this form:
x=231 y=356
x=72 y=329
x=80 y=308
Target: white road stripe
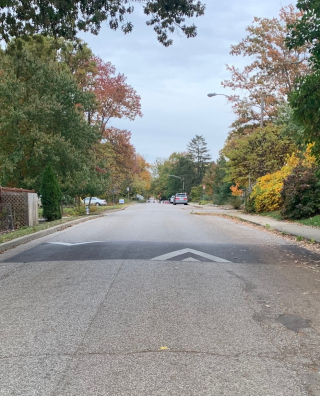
x=73 y=244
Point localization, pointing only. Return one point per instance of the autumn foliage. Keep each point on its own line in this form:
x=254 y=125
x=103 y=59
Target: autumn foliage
x=272 y=71
x=114 y=97
x=267 y=192
x=236 y=191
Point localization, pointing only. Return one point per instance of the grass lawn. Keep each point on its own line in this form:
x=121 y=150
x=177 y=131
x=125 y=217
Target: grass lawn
x=30 y=230
x=69 y=212
x=311 y=221
x=275 y=215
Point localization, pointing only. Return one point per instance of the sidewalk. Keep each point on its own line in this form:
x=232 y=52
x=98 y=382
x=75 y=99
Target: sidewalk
x=291 y=228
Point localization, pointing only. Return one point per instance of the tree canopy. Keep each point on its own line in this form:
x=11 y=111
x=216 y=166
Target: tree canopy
x=56 y=102
x=271 y=72
x=41 y=119
x=305 y=31
x=66 y=18
x=263 y=151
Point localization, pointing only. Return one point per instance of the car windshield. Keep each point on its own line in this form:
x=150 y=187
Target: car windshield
x=181 y=195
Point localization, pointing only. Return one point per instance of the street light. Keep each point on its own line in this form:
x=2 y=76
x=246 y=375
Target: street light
x=243 y=101
x=179 y=177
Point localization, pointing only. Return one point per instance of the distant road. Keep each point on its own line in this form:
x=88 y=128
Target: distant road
x=154 y=300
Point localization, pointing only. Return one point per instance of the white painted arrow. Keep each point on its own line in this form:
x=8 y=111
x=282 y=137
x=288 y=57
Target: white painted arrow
x=171 y=255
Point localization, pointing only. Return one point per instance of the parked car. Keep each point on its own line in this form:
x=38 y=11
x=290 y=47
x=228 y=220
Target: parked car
x=180 y=198
x=172 y=199
x=95 y=201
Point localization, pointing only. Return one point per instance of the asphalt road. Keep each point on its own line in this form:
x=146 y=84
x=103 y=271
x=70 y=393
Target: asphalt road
x=156 y=301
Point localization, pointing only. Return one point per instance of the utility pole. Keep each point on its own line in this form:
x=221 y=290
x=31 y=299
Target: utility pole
x=262 y=110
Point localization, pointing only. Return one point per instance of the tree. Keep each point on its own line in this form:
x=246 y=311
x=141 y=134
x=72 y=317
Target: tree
x=263 y=151
x=305 y=102
x=221 y=187
x=209 y=177
x=301 y=193
x=41 y=119
x=119 y=157
x=183 y=167
x=67 y=17
x=50 y=195
x=290 y=127
x=141 y=183
x=199 y=152
x=196 y=193
x=305 y=31
x=272 y=73
x=115 y=98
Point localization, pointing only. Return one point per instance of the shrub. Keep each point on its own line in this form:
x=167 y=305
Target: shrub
x=266 y=194
x=67 y=200
x=196 y=193
x=221 y=193
x=50 y=195
x=235 y=201
x=249 y=205
x=79 y=210
x=301 y=193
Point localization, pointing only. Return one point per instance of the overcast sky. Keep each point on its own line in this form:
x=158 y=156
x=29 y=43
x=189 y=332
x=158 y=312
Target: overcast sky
x=173 y=82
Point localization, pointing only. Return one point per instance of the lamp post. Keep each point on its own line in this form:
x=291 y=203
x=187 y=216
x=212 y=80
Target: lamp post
x=179 y=177
x=243 y=101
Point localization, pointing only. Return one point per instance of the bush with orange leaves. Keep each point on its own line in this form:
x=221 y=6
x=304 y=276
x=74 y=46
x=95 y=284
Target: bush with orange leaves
x=236 y=191
x=266 y=192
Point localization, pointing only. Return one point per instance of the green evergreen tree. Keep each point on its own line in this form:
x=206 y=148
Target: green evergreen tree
x=221 y=188
x=199 y=152
x=50 y=195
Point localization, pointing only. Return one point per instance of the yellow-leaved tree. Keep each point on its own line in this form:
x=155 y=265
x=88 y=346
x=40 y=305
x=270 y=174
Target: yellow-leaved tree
x=266 y=192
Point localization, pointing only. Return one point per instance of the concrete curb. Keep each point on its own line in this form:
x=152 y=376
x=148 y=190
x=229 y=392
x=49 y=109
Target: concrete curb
x=39 y=234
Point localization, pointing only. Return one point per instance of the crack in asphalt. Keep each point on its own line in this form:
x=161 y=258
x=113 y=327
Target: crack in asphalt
x=149 y=351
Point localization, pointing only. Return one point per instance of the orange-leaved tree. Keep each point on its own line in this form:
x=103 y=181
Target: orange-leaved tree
x=236 y=191
x=115 y=98
x=272 y=71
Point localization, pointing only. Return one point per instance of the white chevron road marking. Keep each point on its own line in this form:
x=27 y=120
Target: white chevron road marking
x=171 y=255
x=163 y=257
x=190 y=259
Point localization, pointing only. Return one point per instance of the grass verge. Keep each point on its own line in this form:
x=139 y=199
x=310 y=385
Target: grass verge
x=45 y=225
x=30 y=230
x=275 y=215
x=311 y=221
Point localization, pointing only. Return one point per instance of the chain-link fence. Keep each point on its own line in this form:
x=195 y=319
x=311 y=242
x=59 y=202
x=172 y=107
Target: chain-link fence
x=13 y=208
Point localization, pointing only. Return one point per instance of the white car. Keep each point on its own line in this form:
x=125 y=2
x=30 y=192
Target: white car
x=181 y=198
x=95 y=201
x=172 y=199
